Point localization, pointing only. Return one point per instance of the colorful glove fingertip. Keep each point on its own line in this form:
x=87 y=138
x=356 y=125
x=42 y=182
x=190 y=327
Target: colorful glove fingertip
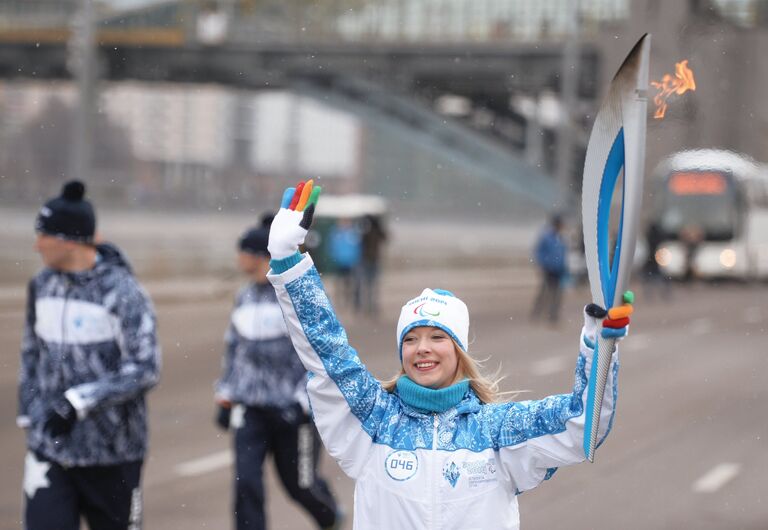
x=612 y=333
x=305 y=191
x=309 y=211
x=296 y=196
x=617 y=323
x=287 y=196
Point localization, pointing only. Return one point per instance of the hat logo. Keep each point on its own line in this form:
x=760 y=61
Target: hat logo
x=45 y=211
x=423 y=312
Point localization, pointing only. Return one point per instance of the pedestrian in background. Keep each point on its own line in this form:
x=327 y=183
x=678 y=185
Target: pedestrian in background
x=345 y=246
x=550 y=255
x=88 y=357
x=261 y=396
x=653 y=278
x=373 y=238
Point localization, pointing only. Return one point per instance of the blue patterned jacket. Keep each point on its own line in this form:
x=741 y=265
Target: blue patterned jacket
x=458 y=469
x=89 y=336
x=260 y=367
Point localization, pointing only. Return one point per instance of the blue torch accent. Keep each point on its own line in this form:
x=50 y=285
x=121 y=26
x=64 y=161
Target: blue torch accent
x=609 y=268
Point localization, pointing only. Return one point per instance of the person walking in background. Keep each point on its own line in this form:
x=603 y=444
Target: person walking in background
x=345 y=247
x=653 y=278
x=261 y=396
x=89 y=355
x=373 y=238
x=550 y=255
x=436 y=446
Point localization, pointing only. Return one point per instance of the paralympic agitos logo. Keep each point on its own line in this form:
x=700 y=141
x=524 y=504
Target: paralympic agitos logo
x=425 y=312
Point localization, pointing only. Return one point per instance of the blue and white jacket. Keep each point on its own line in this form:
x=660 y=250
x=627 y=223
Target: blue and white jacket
x=260 y=367
x=89 y=336
x=458 y=469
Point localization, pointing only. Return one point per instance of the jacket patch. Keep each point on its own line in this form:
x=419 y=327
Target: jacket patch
x=451 y=473
x=479 y=472
x=401 y=465
x=476 y=472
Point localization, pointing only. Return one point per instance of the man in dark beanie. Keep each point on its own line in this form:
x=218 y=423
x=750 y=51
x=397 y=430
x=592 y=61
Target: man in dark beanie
x=262 y=397
x=89 y=354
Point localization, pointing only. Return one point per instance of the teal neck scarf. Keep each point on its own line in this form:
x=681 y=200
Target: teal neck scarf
x=430 y=399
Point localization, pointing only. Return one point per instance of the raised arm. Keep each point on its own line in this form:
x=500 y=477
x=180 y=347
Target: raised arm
x=536 y=437
x=346 y=400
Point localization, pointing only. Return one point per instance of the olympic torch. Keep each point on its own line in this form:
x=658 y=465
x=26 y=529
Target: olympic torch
x=616 y=144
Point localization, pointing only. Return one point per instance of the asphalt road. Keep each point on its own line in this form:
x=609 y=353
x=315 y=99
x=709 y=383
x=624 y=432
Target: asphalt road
x=689 y=448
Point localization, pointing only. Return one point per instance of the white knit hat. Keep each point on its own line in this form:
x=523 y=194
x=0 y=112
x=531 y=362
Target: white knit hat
x=438 y=309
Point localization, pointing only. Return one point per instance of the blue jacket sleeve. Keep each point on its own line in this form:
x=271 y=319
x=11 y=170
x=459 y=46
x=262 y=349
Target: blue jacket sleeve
x=535 y=437
x=223 y=385
x=347 y=401
x=29 y=391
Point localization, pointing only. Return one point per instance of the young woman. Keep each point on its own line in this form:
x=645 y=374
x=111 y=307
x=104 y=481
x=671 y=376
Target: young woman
x=435 y=448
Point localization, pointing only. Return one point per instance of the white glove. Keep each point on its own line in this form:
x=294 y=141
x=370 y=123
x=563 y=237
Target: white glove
x=290 y=226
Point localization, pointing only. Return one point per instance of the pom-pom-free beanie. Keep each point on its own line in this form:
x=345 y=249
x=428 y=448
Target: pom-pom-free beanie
x=436 y=308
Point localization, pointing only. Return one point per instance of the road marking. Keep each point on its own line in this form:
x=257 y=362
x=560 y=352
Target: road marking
x=549 y=366
x=205 y=464
x=717 y=477
x=700 y=326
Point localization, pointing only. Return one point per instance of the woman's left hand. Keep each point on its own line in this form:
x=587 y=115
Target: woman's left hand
x=290 y=225
x=616 y=319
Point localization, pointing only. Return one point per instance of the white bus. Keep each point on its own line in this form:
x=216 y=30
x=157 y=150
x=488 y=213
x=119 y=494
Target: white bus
x=710 y=211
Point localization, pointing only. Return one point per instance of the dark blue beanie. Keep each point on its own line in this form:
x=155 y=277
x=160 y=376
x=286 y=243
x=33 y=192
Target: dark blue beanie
x=255 y=240
x=68 y=216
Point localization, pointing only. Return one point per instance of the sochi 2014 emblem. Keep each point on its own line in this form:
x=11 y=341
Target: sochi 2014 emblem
x=401 y=465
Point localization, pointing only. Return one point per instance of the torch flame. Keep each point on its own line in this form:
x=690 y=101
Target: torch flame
x=682 y=82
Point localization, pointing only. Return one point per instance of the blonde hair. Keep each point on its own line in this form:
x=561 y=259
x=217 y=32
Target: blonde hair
x=486 y=389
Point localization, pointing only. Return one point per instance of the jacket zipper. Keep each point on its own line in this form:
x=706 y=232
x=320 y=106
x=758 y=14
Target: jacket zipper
x=64 y=316
x=435 y=479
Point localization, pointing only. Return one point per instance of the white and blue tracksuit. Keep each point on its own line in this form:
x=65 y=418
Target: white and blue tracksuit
x=260 y=367
x=458 y=469
x=264 y=377
x=89 y=336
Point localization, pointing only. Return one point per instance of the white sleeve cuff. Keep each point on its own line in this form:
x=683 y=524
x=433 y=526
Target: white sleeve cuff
x=74 y=398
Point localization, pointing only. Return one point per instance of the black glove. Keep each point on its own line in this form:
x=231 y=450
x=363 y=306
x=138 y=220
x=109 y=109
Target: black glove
x=61 y=418
x=222 y=417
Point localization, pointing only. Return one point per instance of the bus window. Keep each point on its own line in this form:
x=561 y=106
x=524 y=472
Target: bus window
x=705 y=201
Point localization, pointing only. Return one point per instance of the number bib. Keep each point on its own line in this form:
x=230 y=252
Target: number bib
x=401 y=465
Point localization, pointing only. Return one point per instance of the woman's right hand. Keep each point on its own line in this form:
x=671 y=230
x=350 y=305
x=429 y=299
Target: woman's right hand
x=293 y=220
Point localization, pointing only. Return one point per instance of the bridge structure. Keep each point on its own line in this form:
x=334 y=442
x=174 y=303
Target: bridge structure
x=458 y=86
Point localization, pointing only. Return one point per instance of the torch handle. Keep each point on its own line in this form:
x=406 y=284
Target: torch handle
x=598 y=378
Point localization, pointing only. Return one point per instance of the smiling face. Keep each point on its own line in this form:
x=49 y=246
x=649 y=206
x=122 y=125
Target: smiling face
x=429 y=357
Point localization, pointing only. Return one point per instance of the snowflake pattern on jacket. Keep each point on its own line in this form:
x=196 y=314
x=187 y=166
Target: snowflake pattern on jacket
x=260 y=367
x=89 y=336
